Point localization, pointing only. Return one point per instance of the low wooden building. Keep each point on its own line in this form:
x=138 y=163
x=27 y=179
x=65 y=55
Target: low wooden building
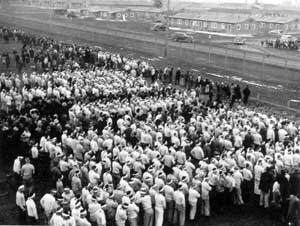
x=233 y=23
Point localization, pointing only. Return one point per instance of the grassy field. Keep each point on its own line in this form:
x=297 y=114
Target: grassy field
x=287 y=80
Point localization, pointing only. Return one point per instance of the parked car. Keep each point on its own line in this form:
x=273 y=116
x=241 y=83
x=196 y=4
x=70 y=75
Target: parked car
x=239 y=41
x=276 y=32
x=182 y=37
x=159 y=27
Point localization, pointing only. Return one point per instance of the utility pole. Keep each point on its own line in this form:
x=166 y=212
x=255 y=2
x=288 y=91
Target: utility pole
x=167 y=30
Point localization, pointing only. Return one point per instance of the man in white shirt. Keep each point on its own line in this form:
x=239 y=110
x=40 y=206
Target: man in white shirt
x=21 y=204
x=56 y=219
x=205 y=190
x=17 y=169
x=160 y=206
x=179 y=199
x=194 y=195
x=32 y=215
x=49 y=204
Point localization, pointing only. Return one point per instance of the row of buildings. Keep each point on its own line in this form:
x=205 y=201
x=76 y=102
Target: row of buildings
x=235 y=23
x=232 y=19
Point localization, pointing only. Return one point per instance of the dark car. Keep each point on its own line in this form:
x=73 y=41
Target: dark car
x=182 y=37
x=159 y=27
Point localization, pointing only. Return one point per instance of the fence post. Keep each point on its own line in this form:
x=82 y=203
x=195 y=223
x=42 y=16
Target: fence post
x=181 y=49
x=209 y=55
x=195 y=53
x=226 y=53
x=263 y=68
x=244 y=63
x=285 y=66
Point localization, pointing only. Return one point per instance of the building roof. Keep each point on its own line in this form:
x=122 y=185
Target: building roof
x=146 y=9
x=234 y=18
x=274 y=19
x=214 y=17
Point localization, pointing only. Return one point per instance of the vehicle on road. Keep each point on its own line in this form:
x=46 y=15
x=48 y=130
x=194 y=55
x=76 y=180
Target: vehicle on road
x=239 y=41
x=159 y=27
x=182 y=37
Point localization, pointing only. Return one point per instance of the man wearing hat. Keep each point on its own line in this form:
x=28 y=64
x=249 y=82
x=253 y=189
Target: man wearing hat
x=169 y=195
x=82 y=221
x=180 y=208
x=76 y=183
x=193 y=197
x=32 y=214
x=133 y=211
x=146 y=202
x=56 y=219
x=21 y=204
x=121 y=214
x=49 y=204
x=160 y=206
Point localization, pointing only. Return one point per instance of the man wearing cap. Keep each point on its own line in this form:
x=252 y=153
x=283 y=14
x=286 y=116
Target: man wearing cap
x=121 y=214
x=180 y=208
x=82 y=221
x=194 y=195
x=76 y=182
x=49 y=204
x=56 y=219
x=132 y=212
x=169 y=195
x=146 y=202
x=32 y=214
x=21 y=204
x=205 y=190
x=160 y=206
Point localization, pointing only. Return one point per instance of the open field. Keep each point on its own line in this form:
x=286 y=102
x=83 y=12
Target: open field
x=272 y=83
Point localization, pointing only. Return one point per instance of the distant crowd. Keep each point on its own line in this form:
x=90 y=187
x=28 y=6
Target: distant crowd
x=114 y=143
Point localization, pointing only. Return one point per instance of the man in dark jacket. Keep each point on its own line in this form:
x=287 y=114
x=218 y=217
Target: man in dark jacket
x=295 y=182
x=293 y=211
x=265 y=185
x=246 y=93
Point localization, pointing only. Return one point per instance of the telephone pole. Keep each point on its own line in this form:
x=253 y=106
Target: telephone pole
x=167 y=30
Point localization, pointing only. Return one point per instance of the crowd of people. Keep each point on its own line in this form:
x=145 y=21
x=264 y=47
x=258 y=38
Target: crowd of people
x=114 y=148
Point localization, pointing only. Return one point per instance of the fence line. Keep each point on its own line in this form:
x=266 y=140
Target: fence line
x=241 y=64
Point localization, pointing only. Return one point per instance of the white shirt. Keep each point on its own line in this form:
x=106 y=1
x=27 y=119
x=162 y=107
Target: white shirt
x=17 y=166
x=31 y=209
x=48 y=203
x=193 y=195
x=20 y=200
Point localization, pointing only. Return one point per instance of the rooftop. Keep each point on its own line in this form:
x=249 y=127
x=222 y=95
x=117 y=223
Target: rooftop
x=215 y=17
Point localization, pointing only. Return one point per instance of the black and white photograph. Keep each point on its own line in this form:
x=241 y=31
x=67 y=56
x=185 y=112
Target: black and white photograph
x=150 y=112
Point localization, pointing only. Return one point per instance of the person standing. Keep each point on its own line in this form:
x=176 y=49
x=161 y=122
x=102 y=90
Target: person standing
x=265 y=186
x=146 y=202
x=21 y=204
x=32 y=214
x=160 y=206
x=205 y=190
x=121 y=214
x=246 y=93
x=27 y=172
x=49 y=204
x=132 y=213
x=194 y=195
x=169 y=195
x=179 y=211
